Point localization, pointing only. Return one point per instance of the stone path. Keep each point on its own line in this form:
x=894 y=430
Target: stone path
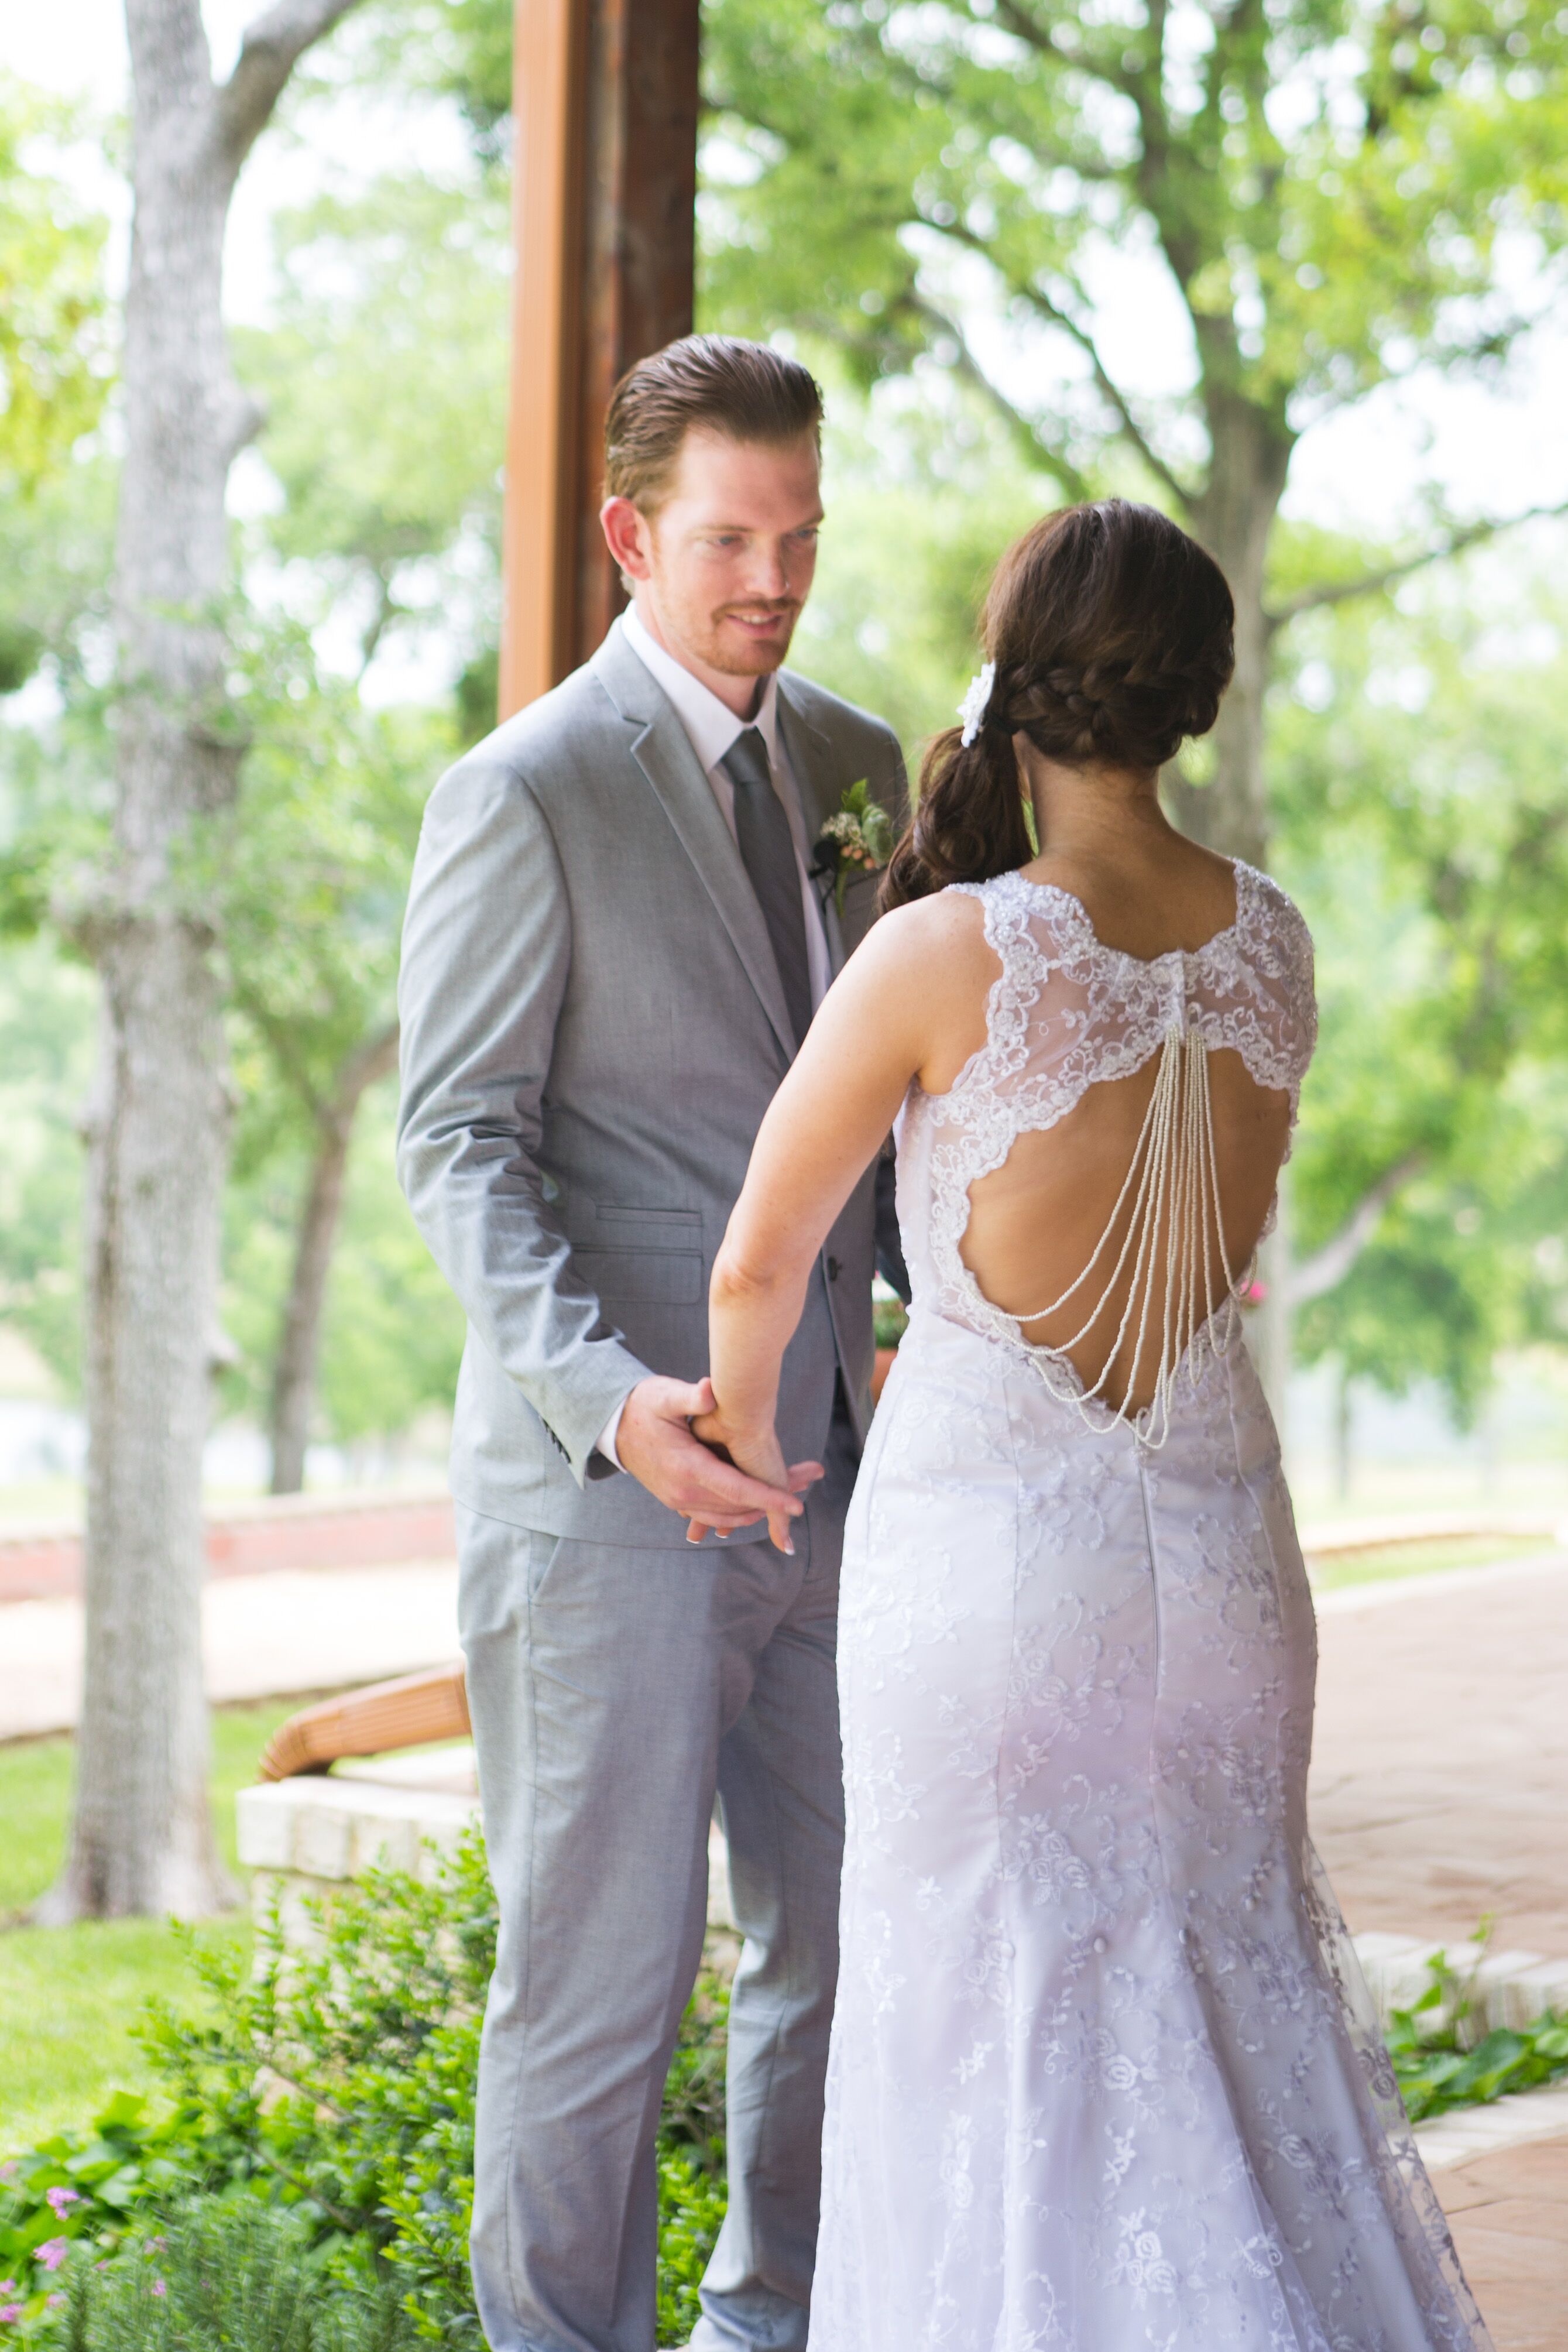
x=265 y=1636
x=1440 y=1759
x=1440 y=1770
x=1509 y=2214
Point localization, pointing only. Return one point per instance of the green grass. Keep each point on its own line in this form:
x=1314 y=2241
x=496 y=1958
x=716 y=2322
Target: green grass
x=1376 y=1565
x=69 y=1996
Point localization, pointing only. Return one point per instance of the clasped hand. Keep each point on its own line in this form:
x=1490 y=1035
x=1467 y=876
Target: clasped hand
x=675 y=1439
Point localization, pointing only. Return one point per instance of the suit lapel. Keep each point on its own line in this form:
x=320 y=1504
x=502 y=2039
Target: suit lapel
x=811 y=761
x=663 y=750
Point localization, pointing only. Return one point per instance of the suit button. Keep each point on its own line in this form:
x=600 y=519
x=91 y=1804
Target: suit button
x=832 y=1269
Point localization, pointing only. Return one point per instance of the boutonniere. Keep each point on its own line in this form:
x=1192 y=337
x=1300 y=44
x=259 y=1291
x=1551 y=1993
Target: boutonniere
x=856 y=839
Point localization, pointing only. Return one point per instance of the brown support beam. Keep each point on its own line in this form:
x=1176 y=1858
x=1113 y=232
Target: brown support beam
x=605 y=99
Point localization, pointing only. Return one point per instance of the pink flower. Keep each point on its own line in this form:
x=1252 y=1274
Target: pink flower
x=62 y=2200
x=159 y=2287
x=56 y=2303
x=52 y=2253
x=9 y=2169
x=8 y=2311
x=1255 y=1294
x=9 y=2286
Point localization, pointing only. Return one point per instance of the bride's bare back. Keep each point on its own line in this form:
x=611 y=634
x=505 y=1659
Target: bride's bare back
x=1097 y=1058
x=1108 y=1101
x=1111 y=1233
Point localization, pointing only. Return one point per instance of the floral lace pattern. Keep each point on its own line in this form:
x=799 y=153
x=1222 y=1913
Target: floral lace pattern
x=1069 y=1012
x=1104 y=2074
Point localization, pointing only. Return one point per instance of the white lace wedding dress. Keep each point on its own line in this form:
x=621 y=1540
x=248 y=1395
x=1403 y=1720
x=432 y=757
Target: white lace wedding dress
x=1104 y=2075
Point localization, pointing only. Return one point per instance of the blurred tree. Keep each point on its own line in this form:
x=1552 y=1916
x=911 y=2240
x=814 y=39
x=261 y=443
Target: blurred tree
x=1320 y=198
x=384 y=378
x=1419 y=770
x=383 y=375
x=459 y=49
x=142 y=1833
x=56 y=360
x=313 y=892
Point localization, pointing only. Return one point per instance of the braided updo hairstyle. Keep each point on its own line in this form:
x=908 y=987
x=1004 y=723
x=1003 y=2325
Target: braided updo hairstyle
x=1112 y=633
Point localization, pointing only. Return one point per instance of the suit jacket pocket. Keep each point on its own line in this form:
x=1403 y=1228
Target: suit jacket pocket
x=642 y=1277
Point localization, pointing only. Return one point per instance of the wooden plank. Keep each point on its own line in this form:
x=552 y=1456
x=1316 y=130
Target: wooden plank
x=606 y=109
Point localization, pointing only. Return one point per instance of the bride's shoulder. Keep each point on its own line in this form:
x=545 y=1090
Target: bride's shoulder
x=950 y=922
x=1268 y=914
x=930 y=951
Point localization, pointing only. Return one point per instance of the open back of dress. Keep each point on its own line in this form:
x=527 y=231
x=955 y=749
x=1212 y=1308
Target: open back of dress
x=1105 y=2073
x=1160 y=1202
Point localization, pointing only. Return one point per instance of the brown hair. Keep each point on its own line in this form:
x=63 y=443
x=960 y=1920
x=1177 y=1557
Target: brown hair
x=748 y=392
x=1112 y=635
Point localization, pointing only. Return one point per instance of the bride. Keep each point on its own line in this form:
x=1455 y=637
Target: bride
x=1103 y=2074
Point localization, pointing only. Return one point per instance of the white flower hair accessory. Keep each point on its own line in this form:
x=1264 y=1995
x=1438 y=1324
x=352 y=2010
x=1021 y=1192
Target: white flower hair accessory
x=973 y=708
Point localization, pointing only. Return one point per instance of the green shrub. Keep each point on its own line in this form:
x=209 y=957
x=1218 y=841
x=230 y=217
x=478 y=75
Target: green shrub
x=233 y=2275
x=1441 y=2063
x=84 y=2190
x=336 y=2084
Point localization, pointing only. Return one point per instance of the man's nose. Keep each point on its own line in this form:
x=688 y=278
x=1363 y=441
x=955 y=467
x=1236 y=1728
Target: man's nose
x=767 y=574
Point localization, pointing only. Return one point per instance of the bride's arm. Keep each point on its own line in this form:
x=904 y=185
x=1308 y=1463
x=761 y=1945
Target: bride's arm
x=875 y=1031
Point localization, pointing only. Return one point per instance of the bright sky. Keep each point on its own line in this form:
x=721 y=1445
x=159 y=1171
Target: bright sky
x=1491 y=450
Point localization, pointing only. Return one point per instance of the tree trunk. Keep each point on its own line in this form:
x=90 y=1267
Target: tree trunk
x=294 y=1374
x=141 y=1834
x=1235 y=518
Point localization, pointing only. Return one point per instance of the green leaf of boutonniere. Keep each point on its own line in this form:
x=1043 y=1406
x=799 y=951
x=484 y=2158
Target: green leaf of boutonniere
x=857 y=839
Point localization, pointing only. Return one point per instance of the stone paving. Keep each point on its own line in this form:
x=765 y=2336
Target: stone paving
x=1440 y=1759
x=1439 y=1772
x=263 y=1636
x=1509 y=2214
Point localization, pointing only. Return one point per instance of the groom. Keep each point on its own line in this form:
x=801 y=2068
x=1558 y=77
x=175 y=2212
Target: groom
x=615 y=941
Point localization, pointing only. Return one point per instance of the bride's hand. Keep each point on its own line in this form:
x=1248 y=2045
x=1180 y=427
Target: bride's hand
x=758 y=1453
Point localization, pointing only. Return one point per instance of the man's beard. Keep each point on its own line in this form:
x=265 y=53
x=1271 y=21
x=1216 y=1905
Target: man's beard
x=739 y=660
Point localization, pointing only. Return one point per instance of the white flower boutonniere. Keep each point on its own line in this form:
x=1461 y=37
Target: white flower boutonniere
x=857 y=839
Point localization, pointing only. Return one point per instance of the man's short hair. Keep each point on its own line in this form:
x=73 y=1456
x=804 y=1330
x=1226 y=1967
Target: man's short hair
x=748 y=391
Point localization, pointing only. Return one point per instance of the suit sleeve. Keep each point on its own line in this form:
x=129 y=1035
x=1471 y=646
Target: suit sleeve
x=486 y=952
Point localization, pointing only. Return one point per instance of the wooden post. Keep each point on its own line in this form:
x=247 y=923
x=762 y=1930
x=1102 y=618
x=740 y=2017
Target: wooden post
x=605 y=99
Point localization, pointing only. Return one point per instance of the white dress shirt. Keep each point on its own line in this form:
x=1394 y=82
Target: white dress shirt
x=711 y=729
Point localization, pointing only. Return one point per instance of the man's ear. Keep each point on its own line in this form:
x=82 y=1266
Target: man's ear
x=625 y=529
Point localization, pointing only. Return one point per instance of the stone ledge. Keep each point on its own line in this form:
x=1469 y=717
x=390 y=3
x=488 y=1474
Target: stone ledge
x=305 y=1836
x=1510 y=1988
x=1469 y=2132
x=324 y=1830
x=331 y=1830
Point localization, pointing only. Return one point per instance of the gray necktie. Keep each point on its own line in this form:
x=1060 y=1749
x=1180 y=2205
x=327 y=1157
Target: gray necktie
x=768 y=853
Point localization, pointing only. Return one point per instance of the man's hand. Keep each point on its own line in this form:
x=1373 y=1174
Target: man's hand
x=656 y=1445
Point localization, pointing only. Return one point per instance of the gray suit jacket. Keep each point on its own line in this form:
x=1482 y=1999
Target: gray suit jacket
x=593 y=1028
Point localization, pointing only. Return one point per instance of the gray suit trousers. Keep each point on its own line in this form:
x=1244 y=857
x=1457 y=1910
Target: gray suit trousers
x=614 y=1691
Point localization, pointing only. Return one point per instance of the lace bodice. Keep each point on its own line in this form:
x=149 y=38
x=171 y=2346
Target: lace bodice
x=1069 y=1012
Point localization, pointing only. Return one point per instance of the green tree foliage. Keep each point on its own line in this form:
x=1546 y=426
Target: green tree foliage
x=1313 y=197
x=459 y=49
x=313 y=876
x=55 y=357
x=920 y=504
x=1419 y=768
x=385 y=380
x=1321 y=184
x=45 y=1054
